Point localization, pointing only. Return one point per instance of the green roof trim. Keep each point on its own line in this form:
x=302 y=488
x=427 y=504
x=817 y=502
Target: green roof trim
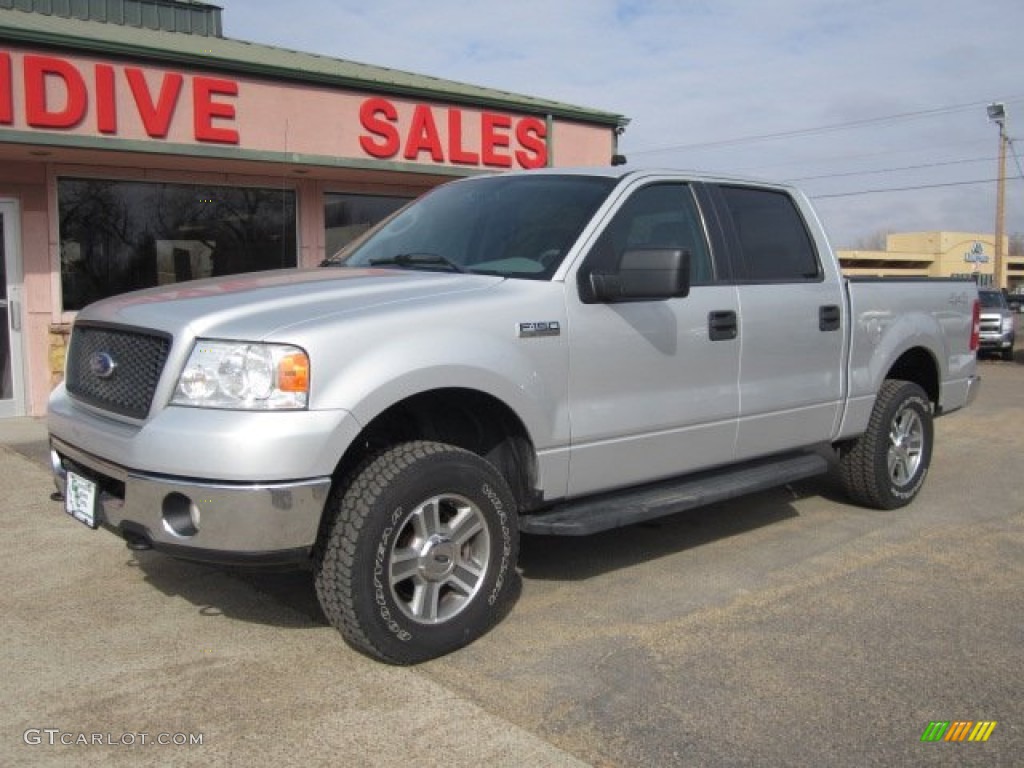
x=241 y=57
x=224 y=152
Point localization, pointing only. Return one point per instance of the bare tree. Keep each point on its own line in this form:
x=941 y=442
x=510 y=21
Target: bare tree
x=875 y=242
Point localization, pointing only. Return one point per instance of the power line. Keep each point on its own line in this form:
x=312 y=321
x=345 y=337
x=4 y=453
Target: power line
x=904 y=189
x=845 y=157
x=1016 y=158
x=893 y=170
x=794 y=133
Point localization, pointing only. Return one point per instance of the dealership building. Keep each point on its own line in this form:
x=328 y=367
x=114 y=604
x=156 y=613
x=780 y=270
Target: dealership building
x=141 y=147
x=968 y=255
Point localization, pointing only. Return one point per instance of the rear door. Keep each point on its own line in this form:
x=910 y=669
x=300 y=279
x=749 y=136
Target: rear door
x=790 y=322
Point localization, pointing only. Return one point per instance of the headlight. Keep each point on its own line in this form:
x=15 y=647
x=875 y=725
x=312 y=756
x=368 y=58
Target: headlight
x=1007 y=324
x=246 y=376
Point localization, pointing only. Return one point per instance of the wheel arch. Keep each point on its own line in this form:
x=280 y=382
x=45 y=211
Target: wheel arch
x=918 y=365
x=470 y=419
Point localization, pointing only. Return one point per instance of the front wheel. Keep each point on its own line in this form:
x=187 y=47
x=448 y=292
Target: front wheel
x=886 y=466
x=421 y=553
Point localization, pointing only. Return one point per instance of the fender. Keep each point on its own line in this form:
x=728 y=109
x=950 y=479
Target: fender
x=879 y=339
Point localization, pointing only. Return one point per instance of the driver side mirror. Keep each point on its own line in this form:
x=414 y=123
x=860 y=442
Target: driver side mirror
x=645 y=274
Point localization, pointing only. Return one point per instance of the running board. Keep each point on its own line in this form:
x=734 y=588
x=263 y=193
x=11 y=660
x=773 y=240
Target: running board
x=594 y=514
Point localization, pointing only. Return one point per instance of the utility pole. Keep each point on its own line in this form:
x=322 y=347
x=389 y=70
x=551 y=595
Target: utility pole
x=997 y=114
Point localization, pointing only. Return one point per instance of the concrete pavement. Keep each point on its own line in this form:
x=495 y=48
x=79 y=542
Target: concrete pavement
x=789 y=628
x=108 y=652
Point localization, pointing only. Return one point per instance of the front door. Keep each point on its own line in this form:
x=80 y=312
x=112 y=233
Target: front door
x=652 y=388
x=12 y=396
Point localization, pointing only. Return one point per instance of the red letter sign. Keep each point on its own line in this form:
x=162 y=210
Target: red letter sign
x=37 y=111
x=204 y=109
x=106 y=100
x=494 y=135
x=455 y=151
x=531 y=132
x=6 y=92
x=155 y=117
x=380 y=126
x=423 y=135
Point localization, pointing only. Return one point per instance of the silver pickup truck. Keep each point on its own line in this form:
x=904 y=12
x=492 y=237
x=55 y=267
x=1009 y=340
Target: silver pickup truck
x=551 y=352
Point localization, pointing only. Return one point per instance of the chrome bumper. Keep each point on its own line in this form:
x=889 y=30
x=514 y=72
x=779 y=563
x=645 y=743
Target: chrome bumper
x=272 y=523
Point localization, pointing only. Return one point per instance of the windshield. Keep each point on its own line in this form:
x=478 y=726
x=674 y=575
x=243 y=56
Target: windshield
x=992 y=299
x=513 y=226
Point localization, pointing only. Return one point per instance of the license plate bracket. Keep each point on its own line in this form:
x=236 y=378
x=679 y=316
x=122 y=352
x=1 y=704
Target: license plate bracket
x=80 y=499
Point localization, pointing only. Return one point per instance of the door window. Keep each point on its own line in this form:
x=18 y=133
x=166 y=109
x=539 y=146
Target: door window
x=656 y=216
x=773 y=240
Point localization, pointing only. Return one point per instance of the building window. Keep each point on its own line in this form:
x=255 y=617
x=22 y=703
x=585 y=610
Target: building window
x=347 y=216
x=118 y=236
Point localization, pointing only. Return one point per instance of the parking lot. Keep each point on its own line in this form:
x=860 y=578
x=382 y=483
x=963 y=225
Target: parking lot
x=787 y=628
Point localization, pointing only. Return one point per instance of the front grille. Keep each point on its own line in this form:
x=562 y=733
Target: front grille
x=116 y=369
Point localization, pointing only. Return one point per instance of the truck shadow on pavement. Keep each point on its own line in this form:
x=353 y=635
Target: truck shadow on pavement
x=273 y=598
x=287 y=599
x=564 y=558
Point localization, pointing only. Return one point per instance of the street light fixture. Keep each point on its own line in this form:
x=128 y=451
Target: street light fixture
x=997 y=115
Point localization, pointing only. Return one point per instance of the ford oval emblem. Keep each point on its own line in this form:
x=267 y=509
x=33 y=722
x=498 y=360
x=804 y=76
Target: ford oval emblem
x=102 y=365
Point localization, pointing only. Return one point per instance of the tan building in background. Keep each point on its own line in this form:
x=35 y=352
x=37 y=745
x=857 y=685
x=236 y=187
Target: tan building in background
x=936 y=254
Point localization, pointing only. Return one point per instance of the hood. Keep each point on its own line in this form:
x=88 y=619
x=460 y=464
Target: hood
x=254 y=305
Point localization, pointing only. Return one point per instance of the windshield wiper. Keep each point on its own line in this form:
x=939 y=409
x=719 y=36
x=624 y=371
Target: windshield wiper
x=417 y=260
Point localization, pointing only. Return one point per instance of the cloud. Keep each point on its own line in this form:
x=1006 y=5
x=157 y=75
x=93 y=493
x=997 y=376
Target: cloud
x=690 y=74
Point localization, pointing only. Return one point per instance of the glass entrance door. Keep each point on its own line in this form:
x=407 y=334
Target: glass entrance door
x=12 y=400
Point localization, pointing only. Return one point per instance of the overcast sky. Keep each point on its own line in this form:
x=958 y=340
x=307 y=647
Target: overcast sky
x=844 y=98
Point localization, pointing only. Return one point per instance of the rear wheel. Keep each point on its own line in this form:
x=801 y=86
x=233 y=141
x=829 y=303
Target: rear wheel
x=420 y=558
x=886 y=466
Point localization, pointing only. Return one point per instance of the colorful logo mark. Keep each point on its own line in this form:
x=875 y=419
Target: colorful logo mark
x=958 y=730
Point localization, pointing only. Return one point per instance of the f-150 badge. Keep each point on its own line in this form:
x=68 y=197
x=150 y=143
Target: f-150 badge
x=533 y=330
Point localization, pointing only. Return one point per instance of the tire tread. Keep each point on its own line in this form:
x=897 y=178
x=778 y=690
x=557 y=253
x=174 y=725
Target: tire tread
x=858 y=470
x=350 y=506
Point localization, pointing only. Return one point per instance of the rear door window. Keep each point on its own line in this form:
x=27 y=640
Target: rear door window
x=772 y=239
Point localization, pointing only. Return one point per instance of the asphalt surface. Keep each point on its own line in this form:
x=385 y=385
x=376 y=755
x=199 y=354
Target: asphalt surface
x=787 y=628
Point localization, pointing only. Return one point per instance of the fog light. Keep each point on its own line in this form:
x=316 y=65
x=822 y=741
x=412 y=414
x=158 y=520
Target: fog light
x=180 y=515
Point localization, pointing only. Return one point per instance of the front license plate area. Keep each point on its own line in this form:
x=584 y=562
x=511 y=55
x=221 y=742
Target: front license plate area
x=80 y=499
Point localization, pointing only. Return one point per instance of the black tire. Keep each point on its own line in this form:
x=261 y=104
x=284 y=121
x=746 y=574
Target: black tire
x=886 y=466
x=1007 y=354
x=420 y=557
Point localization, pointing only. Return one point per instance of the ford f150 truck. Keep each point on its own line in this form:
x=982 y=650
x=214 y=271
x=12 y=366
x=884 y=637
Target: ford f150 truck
x=997 y=332
x=549 y=352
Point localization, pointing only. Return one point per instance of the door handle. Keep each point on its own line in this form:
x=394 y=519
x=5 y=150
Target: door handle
x=14 y=312
x=829 y=318
x=722 y=325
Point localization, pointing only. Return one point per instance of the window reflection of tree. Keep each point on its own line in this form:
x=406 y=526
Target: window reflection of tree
x=253 y=228
x=99 y=221
x=113 y=234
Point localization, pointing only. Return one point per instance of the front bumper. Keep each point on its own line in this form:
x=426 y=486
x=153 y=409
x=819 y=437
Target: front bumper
x=241 y=523
x=987 y=343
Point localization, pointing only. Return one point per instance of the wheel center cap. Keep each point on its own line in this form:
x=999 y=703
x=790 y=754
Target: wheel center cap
x=437 y=558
